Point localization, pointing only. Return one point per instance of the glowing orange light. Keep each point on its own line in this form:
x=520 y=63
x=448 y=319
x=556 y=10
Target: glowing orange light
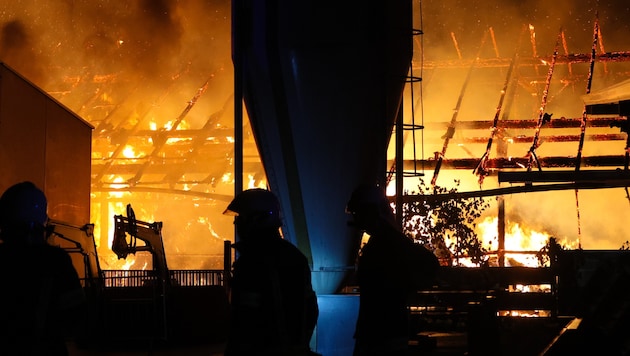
x=129 y=152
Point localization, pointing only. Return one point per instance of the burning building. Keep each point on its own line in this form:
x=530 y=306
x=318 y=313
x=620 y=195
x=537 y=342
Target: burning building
x=155 y=80
x=161 y=105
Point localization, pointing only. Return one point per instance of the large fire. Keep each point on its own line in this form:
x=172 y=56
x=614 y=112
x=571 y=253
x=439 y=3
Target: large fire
x=103 y=60
x=521 y=243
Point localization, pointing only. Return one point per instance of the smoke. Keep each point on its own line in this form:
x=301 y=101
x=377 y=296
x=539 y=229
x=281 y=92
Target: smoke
x=469 y=20
x=149 y=42
x=17 y=48
x=149 y=38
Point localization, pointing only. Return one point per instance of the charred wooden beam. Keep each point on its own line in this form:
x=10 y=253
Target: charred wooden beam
x=526 y=188
x=516 y=163
x=491 y=277
x=194 y=167
x=555 y=138
x=571 y=58
x=222 y=134
x=213 y=196
x=621 y=108
x=557 y=123
x=564 y=176
x=205 y=132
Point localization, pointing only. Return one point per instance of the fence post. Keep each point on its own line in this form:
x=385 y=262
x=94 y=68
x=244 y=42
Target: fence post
x=227 y=264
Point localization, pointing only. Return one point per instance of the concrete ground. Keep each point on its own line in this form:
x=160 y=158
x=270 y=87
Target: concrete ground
x=446 y=344
x=148 y=350
x=515 y=337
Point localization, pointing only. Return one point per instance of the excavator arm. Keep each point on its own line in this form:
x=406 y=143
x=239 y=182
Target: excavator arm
x=77 y=241
x=149 y=233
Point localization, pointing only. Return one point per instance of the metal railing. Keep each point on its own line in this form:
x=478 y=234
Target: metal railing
x=141 y=278
x=198 y=278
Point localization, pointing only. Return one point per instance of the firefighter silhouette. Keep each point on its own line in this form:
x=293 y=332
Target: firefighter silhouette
x=41 y=297
x=390 y=267
x=273 y=306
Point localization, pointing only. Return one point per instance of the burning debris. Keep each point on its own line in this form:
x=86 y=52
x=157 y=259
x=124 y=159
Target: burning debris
x=130 y=69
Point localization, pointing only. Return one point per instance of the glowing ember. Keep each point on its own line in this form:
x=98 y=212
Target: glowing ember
x=521 y=244
x=119 y=183
x=525 y=313
x=129 y=152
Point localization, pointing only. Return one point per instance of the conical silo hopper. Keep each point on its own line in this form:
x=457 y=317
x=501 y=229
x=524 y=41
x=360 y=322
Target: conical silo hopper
x=322 y=83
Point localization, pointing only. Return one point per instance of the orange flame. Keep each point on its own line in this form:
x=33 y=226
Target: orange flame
x=521 y=243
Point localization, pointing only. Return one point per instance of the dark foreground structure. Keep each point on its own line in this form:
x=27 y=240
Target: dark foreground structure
x=290 y=71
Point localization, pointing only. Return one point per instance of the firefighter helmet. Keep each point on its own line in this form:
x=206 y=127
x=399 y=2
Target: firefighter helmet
x=23 y=204
x=366 y=196
x=256 y=206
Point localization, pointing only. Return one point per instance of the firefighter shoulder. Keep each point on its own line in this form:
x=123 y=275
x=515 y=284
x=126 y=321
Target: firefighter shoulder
x=373 y=214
